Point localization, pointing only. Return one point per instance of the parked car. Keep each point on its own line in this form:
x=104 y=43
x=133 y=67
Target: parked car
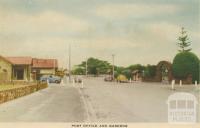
x=51 y=79
x=109 y=78
x=78 y=80
x=122 y=79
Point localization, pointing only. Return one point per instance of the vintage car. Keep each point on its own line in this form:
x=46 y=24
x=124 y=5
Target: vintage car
x=122 y=79
x=78 y=80
x=51 y=79
x=108 y=78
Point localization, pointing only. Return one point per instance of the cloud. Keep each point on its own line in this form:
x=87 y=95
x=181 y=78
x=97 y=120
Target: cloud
x=149 y=43
x=163 y=31
x=48 y=21
x=47 y=32
x=120 y=11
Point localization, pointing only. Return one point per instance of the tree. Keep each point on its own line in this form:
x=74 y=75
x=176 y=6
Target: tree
x=150 y=71
x=184 y=43
x=136 y=67
x=78 y=71
x=95 y=66
x=127 y=73
x=118 y=71
x=184 y=64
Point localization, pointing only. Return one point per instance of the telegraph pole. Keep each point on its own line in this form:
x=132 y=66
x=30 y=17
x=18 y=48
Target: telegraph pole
x=199 y=72
x=198 y=97
x=86 y=66
x=54 y=64
x=113 y=68
x=69 y=63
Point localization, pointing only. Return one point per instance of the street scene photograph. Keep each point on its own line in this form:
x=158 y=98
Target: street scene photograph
x=100 y=61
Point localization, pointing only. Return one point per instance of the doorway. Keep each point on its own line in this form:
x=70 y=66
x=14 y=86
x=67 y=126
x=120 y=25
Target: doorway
x=19 y=73
x=164 y=74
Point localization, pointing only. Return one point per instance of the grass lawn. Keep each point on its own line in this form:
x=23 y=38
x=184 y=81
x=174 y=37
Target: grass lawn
x=7 y=87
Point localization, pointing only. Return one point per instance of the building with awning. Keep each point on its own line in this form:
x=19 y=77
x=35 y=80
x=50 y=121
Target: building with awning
x=42 y=67
x=21 y=68
x=26 y=68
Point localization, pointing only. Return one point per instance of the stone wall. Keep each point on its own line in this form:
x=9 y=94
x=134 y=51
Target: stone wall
x=187 y=80
x=17 y=82
x=11 y=94
x=149 y=79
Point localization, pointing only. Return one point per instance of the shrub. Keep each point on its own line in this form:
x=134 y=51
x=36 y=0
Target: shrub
x=184 y=64
x=127 y=73
x=116 y=74
x=150 y=71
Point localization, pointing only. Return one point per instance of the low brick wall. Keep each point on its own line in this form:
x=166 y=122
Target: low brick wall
x=17 y=82
x=11 y=94
x=187 y=80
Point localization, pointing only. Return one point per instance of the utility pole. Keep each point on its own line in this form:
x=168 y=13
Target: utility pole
x=113 y=68
x=199 y=72
x=54 y=64
x=69 y=63
x=86 y=66
x=198 y=88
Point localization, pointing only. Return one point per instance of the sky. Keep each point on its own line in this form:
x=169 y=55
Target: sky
x=136 y=31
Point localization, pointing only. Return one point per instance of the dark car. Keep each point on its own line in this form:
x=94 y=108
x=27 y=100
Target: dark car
x=77 y=80
x=51 y=79
x=109 y=78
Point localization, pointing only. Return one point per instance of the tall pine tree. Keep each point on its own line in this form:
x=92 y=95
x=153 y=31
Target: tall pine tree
x=184 y=41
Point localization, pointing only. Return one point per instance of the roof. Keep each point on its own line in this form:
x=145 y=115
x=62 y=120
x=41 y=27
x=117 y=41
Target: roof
x=20 y=60
x=5 y=59
x=45 y=63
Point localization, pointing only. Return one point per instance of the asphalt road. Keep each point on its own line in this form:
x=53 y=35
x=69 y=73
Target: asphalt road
x=129 y=102
x=94 y=101
x=55 y=104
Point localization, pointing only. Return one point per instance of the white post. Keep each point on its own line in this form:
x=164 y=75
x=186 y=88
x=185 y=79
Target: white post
x=47 y=81
x=173 y=82
x=196 y=83
x=180 y=83
x=62 y=81
x=130 y=80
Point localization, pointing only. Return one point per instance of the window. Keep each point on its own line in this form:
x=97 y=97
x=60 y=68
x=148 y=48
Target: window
x=4 y=70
